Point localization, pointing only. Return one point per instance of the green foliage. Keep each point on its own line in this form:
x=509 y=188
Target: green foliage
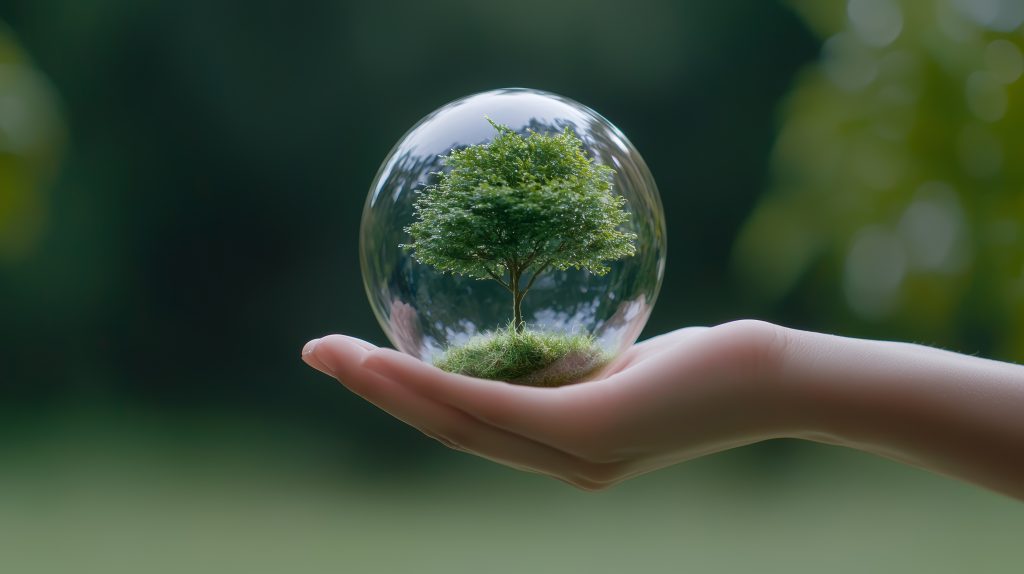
x=517 y=207
x=896 y=207
x=31 y=141
x=527 y=357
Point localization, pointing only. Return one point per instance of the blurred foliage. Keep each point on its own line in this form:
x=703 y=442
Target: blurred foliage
x=898 y=203
x=204 y=221
x=31 y=137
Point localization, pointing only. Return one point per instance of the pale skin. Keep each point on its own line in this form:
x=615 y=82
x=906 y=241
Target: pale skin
x=699 y=390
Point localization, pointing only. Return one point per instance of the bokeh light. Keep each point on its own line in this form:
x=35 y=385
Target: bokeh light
x=202 y=226
x=897 y=190
x=31 y=137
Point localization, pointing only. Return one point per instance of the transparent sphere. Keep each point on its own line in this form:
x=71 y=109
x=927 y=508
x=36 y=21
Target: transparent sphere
x=425 y=312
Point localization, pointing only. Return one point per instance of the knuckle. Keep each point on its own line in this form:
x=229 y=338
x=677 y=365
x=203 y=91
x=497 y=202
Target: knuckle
x=751 y=327
x=761 y=344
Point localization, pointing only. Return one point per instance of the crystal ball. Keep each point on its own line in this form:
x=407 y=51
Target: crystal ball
x=515 y=235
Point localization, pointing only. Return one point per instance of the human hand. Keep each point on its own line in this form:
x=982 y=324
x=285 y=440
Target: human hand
x=684 y=394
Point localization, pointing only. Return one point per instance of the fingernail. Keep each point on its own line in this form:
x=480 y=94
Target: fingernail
x=333 y=353
x=309 y=347
x=309 y=357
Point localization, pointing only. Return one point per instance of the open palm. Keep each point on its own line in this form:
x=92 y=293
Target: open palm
x=674 y=397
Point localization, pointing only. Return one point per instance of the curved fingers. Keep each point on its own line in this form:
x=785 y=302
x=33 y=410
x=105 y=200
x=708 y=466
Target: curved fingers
x=344 y=358
x=571 y=419
x=669 y=395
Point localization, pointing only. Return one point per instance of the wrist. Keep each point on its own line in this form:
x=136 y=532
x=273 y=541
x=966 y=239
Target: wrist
x=950 y=413
x=877 y=395
x=826 y=385
x=764 y=404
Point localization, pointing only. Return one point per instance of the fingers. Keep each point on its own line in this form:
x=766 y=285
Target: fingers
x=649 y=349
x=674 y=397
x=345 y=358
x=562 y=417
x=311 y=359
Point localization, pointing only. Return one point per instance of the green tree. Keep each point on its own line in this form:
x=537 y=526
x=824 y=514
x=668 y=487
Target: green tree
x=516 y=207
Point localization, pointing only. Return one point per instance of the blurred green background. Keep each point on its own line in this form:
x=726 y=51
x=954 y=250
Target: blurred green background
x=180 y=191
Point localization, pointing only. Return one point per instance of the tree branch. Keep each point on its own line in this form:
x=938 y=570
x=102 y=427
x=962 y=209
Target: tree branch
x=536 y=251
x=535 y=274
x=500 y=280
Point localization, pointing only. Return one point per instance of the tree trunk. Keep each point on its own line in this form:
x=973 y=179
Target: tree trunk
x=518 y=313
x=517 y=302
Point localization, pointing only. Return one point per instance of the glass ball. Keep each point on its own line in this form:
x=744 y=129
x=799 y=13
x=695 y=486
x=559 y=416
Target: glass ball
x=432 y=313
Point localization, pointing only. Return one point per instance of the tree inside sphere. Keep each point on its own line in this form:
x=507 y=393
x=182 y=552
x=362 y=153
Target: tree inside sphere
x=542 y=207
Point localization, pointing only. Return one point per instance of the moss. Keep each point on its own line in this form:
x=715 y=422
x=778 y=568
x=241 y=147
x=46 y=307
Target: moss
x=529 y=358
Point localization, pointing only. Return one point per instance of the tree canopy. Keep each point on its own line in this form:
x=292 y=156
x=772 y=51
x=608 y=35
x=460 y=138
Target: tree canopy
x=518 y=206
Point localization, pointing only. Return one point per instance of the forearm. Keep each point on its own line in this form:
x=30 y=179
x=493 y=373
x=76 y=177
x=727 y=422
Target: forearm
x=952 y=414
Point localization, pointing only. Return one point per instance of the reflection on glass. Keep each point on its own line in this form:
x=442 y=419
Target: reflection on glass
x=424 y=312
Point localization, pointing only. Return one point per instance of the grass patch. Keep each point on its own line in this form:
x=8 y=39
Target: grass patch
x=529 y=358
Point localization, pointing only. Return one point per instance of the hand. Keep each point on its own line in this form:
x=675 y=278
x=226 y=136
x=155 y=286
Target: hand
x=671 y=398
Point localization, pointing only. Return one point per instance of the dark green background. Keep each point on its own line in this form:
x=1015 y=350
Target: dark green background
x=203 y=225
x=205 y=222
